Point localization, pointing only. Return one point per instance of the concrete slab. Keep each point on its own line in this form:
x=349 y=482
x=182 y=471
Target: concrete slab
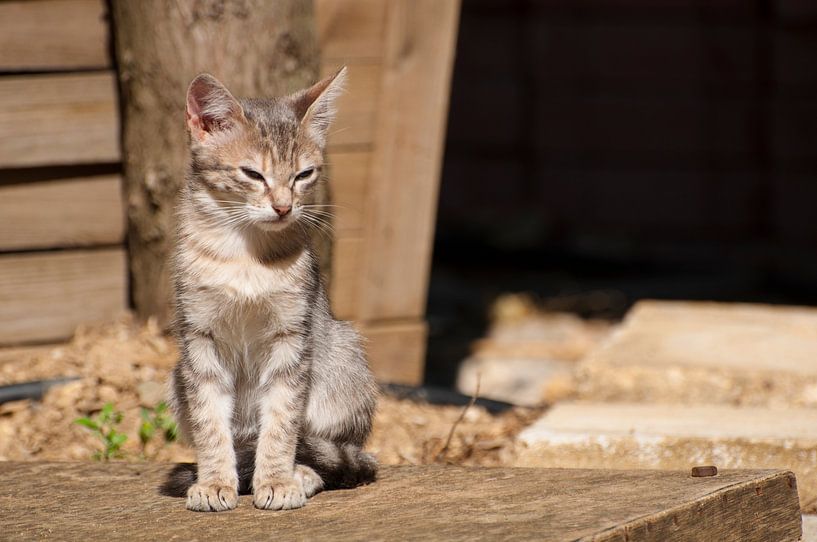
x=809 y=528
x=692 y=352
x=524 y=382
x=656 y=436
x=87 y=501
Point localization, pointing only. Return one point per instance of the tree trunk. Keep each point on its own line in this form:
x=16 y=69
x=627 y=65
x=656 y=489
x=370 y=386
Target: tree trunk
x=256 y=47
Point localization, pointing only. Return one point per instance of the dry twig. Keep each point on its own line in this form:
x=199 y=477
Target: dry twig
x=441 y=455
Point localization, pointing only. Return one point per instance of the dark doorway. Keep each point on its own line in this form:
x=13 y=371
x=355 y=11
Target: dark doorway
x=604 y=151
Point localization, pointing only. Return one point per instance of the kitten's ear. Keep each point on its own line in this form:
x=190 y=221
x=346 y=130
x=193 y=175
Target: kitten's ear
x=210 y=107
x=315 y=106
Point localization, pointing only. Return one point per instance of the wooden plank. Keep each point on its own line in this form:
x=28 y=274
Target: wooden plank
x=357 y=106
x=350 y=29
x=397 y=350
x=62 y=213
x=421 y=36
x=58 y=119
x=349 y=176
x=53 y=35
x=44 y=296
x=344 y=289
x=447 y=503
x=662 y=436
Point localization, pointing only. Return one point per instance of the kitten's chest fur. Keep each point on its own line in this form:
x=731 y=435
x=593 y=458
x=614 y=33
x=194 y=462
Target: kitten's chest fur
x=246 y=304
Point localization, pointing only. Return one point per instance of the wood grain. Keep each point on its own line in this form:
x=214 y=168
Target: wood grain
x=357 y=106
x=348 y=181
x=446 y=503
x=58 y=119
x=344 y=288
x=44 y=296
x=396 y=350
x=350 y=31
x=62 y=213
x=53 y=35
x=420 y=40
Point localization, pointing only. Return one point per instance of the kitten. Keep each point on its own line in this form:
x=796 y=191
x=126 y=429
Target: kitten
x=273 y=392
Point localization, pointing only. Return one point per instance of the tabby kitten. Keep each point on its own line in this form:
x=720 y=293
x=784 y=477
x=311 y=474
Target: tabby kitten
x=273 y=392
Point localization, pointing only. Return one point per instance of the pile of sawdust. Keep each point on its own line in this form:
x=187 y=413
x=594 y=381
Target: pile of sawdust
x=127 y=364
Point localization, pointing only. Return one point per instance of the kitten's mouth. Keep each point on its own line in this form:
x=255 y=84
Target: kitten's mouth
x=273 y=224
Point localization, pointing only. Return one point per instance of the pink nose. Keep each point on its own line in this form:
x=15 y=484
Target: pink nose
x=282 y=210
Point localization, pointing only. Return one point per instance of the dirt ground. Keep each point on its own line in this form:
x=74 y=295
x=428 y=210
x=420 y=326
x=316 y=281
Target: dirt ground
x=127 y=364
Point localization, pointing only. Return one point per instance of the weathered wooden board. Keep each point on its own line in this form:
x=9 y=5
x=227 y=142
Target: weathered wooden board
x=62 y=213
x=58 y=119
x=357 y=106
x=44 y=296
x=396 y=350
x=661 y=436
x=419 y=54
x=348 y=180
x=344 y=288
x=53 y=35
x=120 y=501
x=350 y=30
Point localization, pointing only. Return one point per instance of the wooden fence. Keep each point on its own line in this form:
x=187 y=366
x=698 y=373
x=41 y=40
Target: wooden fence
x=62 y=225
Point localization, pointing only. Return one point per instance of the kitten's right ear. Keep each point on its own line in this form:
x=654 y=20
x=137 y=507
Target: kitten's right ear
x=210 y=107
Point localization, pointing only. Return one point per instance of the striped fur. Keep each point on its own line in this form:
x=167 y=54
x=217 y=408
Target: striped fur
x=266 y=374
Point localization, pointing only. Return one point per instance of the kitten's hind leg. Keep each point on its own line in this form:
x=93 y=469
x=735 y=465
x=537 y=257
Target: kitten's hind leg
x=309 y=479
x=339 y=465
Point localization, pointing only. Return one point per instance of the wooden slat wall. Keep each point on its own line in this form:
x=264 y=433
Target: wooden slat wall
x=44 y=296
x=62 y=213
x=51 y=120
x=58 y=119
x=53 y=35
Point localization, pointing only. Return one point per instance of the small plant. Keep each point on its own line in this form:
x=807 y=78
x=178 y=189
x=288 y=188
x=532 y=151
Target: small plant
x=157 y=420
x=104 y=426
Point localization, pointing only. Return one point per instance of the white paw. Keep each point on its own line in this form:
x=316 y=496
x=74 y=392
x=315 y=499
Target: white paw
x=211 y=498
x=279 y=494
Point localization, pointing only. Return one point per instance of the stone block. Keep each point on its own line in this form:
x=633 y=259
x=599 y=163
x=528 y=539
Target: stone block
x=707 y=353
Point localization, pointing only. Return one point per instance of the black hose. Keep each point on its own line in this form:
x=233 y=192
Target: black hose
x=442 y=396
x=30 y=390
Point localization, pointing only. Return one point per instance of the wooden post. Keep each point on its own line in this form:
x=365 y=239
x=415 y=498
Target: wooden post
x=409 y=140
x=256 y=47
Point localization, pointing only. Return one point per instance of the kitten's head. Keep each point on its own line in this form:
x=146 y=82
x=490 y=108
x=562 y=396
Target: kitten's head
x=257 y=162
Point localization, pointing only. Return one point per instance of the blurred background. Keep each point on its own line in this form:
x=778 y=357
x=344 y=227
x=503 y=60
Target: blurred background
x=601 y=152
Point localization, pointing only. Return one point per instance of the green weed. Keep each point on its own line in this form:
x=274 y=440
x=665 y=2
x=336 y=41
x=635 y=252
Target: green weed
x=104 y=425
x=157 y=420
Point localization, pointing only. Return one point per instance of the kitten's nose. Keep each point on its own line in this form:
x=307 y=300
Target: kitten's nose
x=282 y=210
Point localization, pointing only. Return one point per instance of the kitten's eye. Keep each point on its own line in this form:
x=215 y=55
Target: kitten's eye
x=252 y=174
x=305 y=174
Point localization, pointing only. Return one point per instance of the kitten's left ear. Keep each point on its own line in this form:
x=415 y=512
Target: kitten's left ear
x=315 y=106
x=210 y=107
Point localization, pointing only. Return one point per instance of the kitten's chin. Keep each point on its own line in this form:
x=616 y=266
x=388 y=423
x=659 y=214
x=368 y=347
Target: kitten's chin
x=276 y=225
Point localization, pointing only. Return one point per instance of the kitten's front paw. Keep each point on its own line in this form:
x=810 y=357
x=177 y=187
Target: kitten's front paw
x=211 y=498
x=279 y=494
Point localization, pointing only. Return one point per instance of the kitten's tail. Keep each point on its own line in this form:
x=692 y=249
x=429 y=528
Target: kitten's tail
x=340 y=465
x=179 y=480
